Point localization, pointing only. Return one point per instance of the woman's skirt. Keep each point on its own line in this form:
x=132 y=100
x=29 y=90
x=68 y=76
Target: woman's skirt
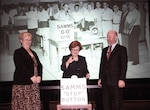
x=26 y=97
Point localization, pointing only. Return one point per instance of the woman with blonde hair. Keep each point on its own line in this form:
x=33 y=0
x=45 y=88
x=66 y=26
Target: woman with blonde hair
x=27 y=76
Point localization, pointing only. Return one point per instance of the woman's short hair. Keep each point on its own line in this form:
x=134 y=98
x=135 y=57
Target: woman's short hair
x=75 y=44
x=23 y=34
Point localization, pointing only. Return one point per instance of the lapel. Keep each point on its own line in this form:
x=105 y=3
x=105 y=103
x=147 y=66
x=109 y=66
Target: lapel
x=26 y=55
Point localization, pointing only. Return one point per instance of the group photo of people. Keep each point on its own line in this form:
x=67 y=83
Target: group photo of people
x=89 y=22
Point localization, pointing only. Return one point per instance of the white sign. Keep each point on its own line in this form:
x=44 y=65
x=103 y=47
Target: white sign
x=61 y=30
x=73 y=91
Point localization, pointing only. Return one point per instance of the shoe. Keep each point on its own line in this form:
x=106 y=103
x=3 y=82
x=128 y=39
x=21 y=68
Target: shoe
x=134 y=63
x=129 y=60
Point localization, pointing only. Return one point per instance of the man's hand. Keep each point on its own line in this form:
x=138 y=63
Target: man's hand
x=121 y=83
x=99 y=83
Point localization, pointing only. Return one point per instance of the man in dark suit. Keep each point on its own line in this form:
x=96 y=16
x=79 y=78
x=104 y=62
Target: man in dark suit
x=113 y=72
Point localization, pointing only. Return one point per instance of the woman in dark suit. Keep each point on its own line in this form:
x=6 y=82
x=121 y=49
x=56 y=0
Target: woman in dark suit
x=27 y=76
x=74 y=64
x=112 y=72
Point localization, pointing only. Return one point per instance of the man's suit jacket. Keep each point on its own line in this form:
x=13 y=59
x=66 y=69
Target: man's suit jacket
x=25 y=66
x=115 y=68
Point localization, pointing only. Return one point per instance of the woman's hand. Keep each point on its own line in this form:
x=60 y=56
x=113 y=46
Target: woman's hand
x=36 y=79
x=70 y=60
x=87 y=75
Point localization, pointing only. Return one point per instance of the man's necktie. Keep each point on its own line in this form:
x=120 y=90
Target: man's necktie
x=109 y=52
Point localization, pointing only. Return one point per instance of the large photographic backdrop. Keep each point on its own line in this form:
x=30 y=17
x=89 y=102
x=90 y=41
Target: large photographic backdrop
x=56 y=23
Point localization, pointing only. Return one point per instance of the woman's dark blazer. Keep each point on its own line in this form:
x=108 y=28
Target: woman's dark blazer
x=114 y=69
x=24 y=66
x=78 y=68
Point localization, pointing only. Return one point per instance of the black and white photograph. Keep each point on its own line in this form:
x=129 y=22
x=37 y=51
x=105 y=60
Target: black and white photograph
x=55 y=24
